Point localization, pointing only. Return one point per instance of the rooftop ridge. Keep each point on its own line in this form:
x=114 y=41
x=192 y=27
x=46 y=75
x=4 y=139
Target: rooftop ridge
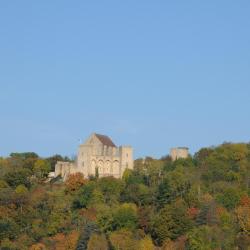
x=105 y=140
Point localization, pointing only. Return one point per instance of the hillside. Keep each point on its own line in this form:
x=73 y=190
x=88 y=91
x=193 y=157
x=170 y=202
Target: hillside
x=202 y=202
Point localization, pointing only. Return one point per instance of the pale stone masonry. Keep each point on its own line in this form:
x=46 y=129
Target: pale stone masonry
x=180 y=152
x=98 y=155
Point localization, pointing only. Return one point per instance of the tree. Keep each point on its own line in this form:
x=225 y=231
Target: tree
x=6 y=244
x=84 y=195
x=21 y=196
x=175 y=184
x=168 y=245
x=125 y=216
x=138 y=193
x=145 y=215
x=111 y=189
x=146 y=244
x=17 y=177
x=97 y=242
x=105 y=219
x=171 y=222
x=243 y=217
x=54 y=159
x=201 y=156
x=230 y=198
x=38 y=246
x=88 y=230
x=123 y=240
x=67 y=242
x=8 y=229
x=24 y=155
x=41 y=168
x=204 y=238
x=3 y=184
x=71 y=240
x=74 y=182
x=192 y=212
x=207 y=214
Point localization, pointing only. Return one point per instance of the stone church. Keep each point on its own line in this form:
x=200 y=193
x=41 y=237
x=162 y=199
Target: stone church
x=98 y=156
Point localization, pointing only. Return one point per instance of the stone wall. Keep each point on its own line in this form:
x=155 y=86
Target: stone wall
x=180 y=152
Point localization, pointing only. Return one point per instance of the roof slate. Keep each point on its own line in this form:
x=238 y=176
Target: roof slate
x=105 y=140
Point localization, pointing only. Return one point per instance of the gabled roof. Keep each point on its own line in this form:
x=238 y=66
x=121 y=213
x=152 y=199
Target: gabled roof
x=105 y=140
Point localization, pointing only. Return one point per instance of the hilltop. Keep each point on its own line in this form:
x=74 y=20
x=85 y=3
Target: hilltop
x=201 y=202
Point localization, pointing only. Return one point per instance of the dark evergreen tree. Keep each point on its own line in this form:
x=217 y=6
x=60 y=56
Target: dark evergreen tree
x=85 y=235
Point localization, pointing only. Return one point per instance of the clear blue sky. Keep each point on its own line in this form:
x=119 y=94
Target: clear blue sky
x=153 y=74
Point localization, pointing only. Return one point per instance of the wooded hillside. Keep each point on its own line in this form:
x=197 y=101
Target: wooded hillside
x=202 y=202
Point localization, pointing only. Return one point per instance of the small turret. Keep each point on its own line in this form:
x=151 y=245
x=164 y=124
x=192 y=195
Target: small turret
x=126 y=156
x=179 y=152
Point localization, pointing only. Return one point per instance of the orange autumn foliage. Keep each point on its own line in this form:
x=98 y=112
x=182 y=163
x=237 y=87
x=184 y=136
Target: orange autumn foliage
x=74 y=182
x=89 y=214
x=243 y=214
x=66 y=242
x=220 y=211
x=245 y=201
x=168 y=245
x=38 y=246
x=192 y=212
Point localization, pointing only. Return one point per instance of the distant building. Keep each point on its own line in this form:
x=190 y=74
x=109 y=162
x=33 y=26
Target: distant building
x=179 y=152
x=98 y=155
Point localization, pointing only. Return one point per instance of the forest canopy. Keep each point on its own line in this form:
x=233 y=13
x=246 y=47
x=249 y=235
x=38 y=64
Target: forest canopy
x=202 y=202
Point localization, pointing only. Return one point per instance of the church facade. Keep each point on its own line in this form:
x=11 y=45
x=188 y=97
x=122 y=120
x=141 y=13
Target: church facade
x=98 y=156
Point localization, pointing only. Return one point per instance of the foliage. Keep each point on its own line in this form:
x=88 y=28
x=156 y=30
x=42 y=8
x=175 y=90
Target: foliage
x=202 y=238
x=41 y=168
x=201 y=202
x=17 y=177
x=146 y=244
x=74 y=182
x=8 y=228
x=24 y=155
x=171 y=222
x=123 y=240
x=229 y=198
x=55 y=158
x=243 y=217
x=125 y=216
x=97 y=241
x=84 y=196
x=87 y=231
x=66 y=242
x=38 y=246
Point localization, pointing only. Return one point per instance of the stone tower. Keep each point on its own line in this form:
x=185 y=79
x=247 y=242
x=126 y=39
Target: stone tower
x=126 y=156
x=179 y=152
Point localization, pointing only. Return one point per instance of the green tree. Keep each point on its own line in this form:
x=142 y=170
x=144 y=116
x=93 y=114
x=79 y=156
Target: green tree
x=8 y=229
x=111 y=189
x=171 y=222
x=18 y=177
x=230 y=198
x=204 y=238
x=24 y=155
x=54 y=159
x=84 y=195
x=146 y=244
x=41 y=168
x=138 y=193
x=125 y=216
